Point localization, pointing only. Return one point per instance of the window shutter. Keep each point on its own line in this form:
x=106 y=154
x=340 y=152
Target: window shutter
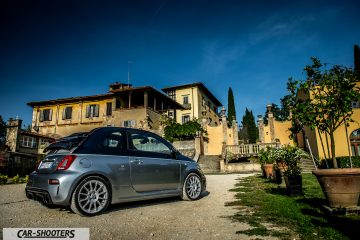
x=123 y=123
x=96 y=110
x=133 y=123
x=50 y=114
x=64 y=113
x=88 y=111
x=41 y=116
x=70 y=113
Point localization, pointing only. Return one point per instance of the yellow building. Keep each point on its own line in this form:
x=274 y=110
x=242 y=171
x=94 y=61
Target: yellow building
x=122 y=106
x=274 y=131
x=278 y=131
x=341 y=137
x=198 y=103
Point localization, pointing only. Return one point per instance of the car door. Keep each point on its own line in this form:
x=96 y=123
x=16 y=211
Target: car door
x=152 y=166
x=106 y=153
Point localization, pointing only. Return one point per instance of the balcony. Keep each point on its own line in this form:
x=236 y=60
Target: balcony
x=187 y=106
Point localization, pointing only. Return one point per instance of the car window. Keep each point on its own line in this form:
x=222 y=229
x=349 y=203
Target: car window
x=113 y=141
x=148 y=143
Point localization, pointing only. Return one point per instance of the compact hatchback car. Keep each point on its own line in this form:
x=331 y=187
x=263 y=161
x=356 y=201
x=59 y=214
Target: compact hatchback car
x=111 y=165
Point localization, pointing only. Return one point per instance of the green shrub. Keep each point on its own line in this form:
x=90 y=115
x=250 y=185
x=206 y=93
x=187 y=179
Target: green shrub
x=16 y=179
x=343 y=162
x=3 y=179
x=264 y=156
x=187 y=131
x=24 y=179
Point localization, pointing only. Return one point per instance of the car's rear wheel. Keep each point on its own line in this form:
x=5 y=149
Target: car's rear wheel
x=91 y=197
x=192 y=187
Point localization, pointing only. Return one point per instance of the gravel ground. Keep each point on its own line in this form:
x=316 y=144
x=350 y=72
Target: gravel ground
x=169 y=218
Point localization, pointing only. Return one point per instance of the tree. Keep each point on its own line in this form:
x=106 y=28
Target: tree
x=280 y=113
x=328 y=100
x=175 y=131
x=357 y=61
x=231 y=106
x=249 y=127
x=2 y=132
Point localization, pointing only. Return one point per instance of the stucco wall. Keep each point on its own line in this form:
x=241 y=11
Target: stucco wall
x=192 y=93
x=215 y=140
x=341 y=146
x=58 y=127
x=282 y=132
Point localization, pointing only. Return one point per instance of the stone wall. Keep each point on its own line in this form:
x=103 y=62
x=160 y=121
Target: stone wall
x=186 y=148
x=239 y=167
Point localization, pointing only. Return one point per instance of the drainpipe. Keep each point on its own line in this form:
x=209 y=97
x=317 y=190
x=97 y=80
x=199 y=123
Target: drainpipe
x=192 y=102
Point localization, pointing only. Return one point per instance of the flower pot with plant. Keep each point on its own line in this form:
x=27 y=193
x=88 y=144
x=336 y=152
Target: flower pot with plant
x=292 y=175
x=267 y=163
x=277 y=156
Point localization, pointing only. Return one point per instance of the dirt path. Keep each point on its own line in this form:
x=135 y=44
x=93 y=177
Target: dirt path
x=157 y=219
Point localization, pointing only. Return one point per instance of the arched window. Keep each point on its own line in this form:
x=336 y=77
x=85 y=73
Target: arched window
x=355 y=142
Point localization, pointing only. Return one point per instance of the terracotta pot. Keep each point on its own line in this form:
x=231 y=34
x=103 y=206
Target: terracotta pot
x=268 y=168
x=293 y=185
x=341 y=186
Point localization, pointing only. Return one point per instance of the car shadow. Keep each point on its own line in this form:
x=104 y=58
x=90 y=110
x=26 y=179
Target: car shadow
x=148 y=203
x=136 y=204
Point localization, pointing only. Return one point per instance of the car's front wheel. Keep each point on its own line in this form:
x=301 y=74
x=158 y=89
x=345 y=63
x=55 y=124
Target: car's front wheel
x=192 y=187
x=91 y=197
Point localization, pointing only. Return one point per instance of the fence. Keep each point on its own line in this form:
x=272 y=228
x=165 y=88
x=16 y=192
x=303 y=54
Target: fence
x=245 y=150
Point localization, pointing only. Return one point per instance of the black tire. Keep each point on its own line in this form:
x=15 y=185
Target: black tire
x=192 y=187
x=91 y=197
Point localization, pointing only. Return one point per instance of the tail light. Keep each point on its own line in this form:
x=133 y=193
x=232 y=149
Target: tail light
x=66 y=162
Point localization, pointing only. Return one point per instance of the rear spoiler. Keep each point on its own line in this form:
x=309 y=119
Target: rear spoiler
x=66 y=143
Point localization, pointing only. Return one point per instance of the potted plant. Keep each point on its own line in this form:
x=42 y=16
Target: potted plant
x=292 y=172
x=323 y=102
x=277 y=156
x=267 y=163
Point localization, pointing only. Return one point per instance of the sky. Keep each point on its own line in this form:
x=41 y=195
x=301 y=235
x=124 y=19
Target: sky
x=58 y=49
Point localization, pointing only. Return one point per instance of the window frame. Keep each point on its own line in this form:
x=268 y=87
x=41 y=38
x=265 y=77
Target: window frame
x=187 y=99
x=151 y=154
x=47 y=117
x=66 y=112
x=31 y=142
x=183 y=117
x=108 y=109
x=92 y=110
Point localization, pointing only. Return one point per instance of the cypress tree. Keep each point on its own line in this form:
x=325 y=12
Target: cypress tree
x=231 y=106
x=357 y=61
x=249 y=126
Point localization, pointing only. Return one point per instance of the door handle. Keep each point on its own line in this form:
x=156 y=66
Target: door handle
x=137 y=161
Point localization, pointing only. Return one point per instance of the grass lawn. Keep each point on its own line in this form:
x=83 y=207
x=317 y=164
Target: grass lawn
x=266 y=207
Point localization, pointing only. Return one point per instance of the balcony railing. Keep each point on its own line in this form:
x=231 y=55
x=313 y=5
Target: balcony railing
x=246 y=150
x=187 y=105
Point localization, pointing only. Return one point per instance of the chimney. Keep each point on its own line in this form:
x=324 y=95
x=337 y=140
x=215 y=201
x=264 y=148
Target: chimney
x=13 y=129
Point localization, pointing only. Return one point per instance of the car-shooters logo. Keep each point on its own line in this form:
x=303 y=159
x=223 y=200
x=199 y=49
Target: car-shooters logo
x=46 y=233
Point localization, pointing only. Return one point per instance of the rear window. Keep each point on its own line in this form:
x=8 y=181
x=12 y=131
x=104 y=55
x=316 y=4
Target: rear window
x=113 y=141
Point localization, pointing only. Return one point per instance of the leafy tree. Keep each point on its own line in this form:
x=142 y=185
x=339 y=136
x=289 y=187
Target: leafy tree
x=2 y=132
x=249 y=126
x=357 y=61
x=323 y=101
x=187 y=131
x=231 y=105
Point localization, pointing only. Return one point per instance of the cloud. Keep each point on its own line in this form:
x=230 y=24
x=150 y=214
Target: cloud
x=217 y=55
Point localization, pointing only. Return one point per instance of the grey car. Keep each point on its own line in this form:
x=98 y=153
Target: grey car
x=113 y=165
